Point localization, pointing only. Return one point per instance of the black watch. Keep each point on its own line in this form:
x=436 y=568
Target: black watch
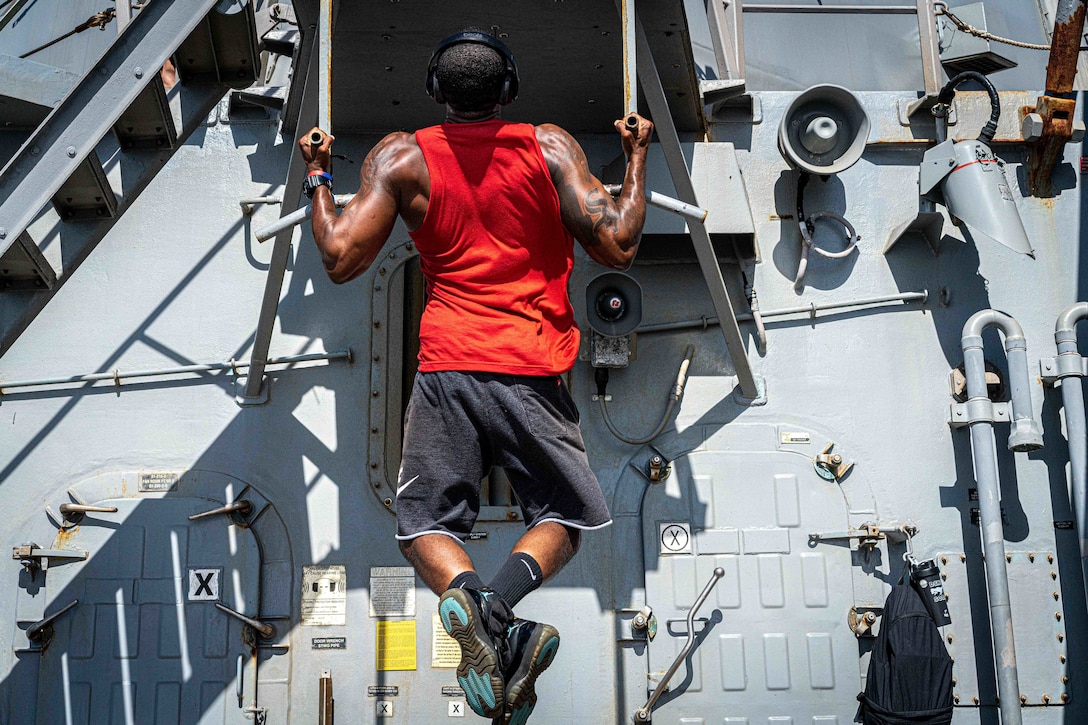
x=312 y=182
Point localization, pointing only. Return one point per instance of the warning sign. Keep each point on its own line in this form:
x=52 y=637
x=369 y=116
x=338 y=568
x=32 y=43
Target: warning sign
x=392 y=591
x=445 y=652
x=324 y=596
x=395 y=644
x=675 y=538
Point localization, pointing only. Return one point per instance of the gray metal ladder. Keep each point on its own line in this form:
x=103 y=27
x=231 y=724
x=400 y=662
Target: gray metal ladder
x=59 y=172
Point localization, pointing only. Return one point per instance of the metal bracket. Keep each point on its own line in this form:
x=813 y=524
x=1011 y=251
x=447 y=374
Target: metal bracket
x=830 y=466
x=34 y=559
x=658 y=469
x=978 y=410
x=862 y=620
x=1053 y=369
x=868 y=534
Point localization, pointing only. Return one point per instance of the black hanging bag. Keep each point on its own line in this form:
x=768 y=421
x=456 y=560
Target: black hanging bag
x=910 y=673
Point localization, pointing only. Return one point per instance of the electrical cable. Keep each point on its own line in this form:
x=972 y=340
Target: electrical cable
x=601 y=377
x=947 y=93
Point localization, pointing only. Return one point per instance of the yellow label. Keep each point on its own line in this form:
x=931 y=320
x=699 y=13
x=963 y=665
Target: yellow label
x=396 y=645
x=445 y=652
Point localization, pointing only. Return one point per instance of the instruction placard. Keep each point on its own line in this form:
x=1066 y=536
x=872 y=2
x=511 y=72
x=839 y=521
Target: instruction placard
x=324 y=596
x=445 y=652
x=392 y=591
x=395 y=644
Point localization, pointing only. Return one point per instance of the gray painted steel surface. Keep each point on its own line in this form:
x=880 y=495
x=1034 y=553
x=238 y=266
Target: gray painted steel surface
x=179 y=279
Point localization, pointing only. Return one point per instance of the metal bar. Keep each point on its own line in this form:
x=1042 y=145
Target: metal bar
x=267 y=631
x=123 y=12
x=1061 y=68
x=627 y=23
x=833 y=9
x=735 y=13
x=724 y=55
x=929 y=44
x=118 y=375
x=297 y=217
x=72 y=130
x=685 y=190
x=296 y=175
x=324 y=699
x=324 y=52
x=643 y=714
x=812 y=309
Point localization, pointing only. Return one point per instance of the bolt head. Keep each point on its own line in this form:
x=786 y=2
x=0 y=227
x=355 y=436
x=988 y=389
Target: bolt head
x=1031 y=128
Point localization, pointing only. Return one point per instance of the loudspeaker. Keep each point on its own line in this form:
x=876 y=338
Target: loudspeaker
x=614 y=304
x=824 y=130
x=510 y=81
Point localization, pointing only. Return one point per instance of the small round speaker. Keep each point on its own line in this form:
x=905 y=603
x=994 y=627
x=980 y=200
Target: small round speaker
x=824 y=130
x=614 y=304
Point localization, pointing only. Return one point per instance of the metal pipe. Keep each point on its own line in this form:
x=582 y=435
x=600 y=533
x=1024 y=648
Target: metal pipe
x=627 y=23
x=1026 y=434
x=680 y=208
x=117 y=376
x=297 y=217
x=1075 y=427
x=324 y=52
x=812 y=309
x=988 y=484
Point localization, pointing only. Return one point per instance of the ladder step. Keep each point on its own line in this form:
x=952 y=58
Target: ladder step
x=148 y=122
x=86 y=194
x=23 y=268
x=222 y=49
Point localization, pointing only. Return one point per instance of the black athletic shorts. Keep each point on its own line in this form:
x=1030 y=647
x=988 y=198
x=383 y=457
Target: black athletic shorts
x=461 y=424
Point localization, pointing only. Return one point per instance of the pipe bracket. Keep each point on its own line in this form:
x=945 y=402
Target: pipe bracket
x=1051 y=370
x=978 y=410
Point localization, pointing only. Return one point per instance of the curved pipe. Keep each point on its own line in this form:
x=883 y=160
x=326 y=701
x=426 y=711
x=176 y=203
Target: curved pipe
x=947 y=93
x=1076 y=428
x=1024 y=436
x=674 y=399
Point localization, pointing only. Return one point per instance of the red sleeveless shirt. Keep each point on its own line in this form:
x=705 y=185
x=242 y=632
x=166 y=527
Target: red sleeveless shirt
x=494 y=253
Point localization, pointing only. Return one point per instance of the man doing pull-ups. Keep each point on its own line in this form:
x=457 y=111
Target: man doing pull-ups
x=493 y=209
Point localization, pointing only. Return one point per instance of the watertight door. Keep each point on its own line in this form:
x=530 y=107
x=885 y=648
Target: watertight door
x=772 y=638
x=146 y=643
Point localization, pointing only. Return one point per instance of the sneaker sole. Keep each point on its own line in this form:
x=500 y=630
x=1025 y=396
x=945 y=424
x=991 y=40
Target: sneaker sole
x=521 y=692
x=478 y=673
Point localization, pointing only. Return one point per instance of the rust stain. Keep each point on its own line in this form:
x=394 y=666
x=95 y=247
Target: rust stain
x=65 y=536
x=1061 y=69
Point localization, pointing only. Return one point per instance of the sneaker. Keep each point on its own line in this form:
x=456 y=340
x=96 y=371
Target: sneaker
x=532 y=648
x=473 y=617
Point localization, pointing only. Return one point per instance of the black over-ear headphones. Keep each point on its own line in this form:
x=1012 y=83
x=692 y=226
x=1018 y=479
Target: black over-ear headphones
x=510 y=80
